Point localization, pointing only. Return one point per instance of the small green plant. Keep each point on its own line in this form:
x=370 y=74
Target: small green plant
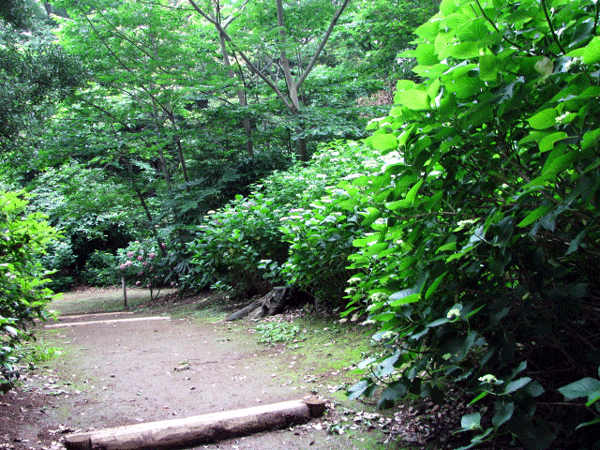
x=38 y=352
x=273 y=332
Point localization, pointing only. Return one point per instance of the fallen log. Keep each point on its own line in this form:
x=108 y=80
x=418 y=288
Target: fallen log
x=191 y=431
x=270 y=304
x=106 y=322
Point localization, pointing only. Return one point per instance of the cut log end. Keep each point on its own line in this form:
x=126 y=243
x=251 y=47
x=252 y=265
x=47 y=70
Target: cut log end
x=316 y=406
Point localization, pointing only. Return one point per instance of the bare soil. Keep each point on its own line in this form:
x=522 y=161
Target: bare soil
x=115 y=372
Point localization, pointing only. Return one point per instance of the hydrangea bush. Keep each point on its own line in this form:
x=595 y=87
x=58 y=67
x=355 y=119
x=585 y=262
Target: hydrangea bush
x=145 y=264
x=284 y=224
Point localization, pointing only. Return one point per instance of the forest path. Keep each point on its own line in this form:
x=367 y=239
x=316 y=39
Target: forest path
x=116 y=371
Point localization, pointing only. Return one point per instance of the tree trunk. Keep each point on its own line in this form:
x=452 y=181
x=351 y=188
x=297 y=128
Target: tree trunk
x=240 y=94
x=125 y=305
x=270 y=304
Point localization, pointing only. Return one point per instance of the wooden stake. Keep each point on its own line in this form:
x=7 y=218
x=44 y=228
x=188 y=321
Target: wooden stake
x=124 y=293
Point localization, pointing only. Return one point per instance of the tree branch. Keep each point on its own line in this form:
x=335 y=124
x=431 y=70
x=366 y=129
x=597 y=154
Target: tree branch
x=332 y=24
x=554 y=36
x=251 y=66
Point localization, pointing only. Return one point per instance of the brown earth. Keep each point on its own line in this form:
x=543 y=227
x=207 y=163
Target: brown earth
x=114 y=372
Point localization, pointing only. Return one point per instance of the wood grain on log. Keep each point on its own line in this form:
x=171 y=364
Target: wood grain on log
x=178 y=433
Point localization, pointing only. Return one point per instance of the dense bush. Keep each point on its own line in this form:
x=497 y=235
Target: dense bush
x=22 y=293
x=100 y=269
x=243 y=246
x=59 y=258
x=481 y=265
x=320 y=232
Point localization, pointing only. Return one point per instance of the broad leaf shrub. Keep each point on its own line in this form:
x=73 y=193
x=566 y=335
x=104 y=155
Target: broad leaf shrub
x=480 y=260
x=100 y=269
x=23 y=295
x=321 y=231
x=243 y=247
x=60 y=258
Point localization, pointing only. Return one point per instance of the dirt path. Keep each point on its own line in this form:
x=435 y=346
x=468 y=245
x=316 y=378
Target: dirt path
x=116 y=371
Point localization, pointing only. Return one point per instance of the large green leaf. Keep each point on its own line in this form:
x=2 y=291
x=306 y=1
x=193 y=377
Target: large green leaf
x=413 y=99
x=581 y=388
x=543 y=119
x=591 y=54
x=384 y=142
x=534 y=215
x=515 y=385
x=502 y=413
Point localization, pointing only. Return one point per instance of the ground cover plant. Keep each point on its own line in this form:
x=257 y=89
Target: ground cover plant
x=480 y=260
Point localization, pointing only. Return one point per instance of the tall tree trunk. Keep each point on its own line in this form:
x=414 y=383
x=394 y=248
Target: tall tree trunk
x=291 y=83
x=241 y=95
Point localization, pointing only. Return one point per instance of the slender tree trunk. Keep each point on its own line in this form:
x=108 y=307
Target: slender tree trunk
x=125 y=305
x=240 y=94
x=291 y=83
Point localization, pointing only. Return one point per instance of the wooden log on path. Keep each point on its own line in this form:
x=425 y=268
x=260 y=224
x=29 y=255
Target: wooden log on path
x=191 y=431
x=106 y=322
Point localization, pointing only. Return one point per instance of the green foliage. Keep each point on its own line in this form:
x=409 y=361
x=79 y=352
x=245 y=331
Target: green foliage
x=377 y=31
x=320 y=232
x=245 y=244
x=34 y=73
x=100 y=269
x=59 y=258
x=233 y=242
x=22 y=292
x=145 y=264
x=481 y=262
x=273 y=332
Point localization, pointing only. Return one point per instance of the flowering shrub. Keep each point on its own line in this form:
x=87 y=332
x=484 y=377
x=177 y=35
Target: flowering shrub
x=235 y=240
x=144 y=264
x=479 y=261
x=244 y=246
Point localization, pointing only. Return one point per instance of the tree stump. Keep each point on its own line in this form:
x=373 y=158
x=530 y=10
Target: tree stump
x=270 y=304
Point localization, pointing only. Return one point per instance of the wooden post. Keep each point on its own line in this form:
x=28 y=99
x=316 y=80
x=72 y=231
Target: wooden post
x=124 y=293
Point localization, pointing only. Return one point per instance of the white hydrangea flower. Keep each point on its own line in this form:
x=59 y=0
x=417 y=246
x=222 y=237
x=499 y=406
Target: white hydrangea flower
x=489 y=378
x=453 y=314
